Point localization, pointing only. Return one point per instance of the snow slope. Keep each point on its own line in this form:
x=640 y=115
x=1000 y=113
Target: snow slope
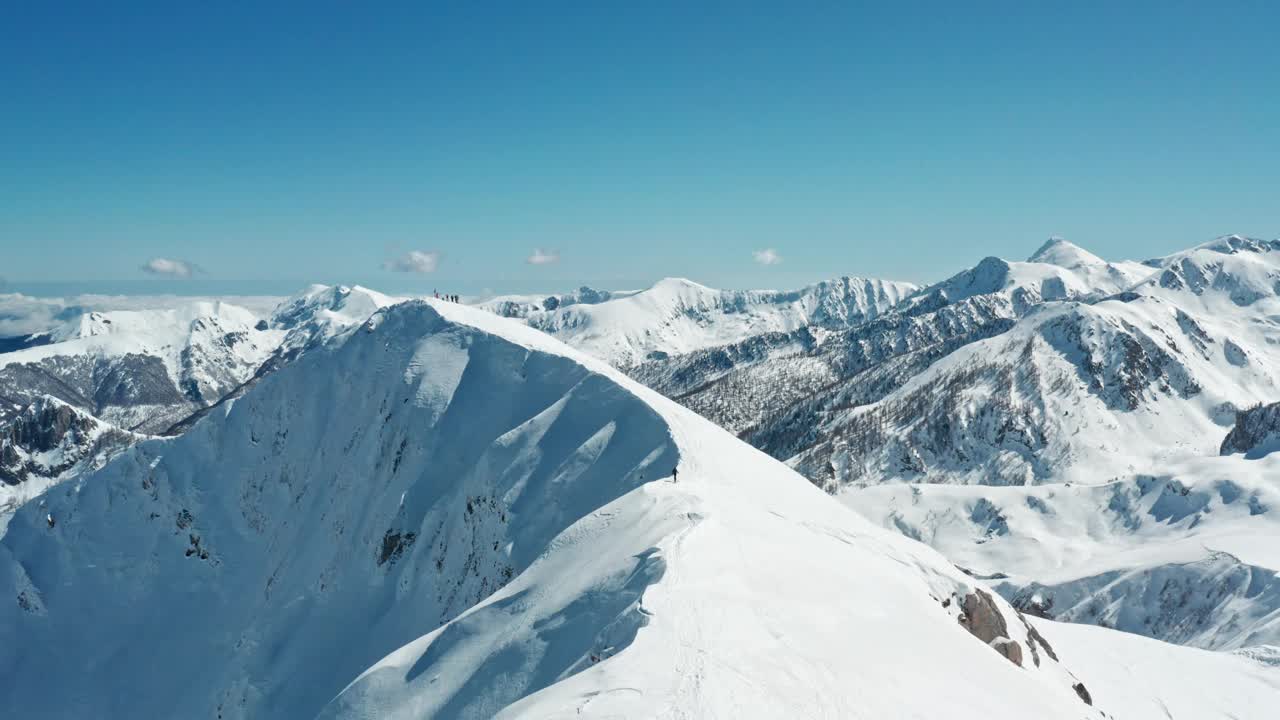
x=447 y=514
x=1134 y=677
x=1187 y=554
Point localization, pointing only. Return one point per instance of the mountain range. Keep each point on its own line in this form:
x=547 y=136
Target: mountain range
x=916 y=502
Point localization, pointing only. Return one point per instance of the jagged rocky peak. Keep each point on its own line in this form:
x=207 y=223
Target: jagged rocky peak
x=1256 y=432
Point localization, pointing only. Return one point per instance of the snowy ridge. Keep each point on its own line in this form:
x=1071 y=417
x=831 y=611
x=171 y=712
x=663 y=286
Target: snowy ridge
x=464 y=454
x=1057 y=271
x=522 y=306
x=679 y=316
x=1227 y=275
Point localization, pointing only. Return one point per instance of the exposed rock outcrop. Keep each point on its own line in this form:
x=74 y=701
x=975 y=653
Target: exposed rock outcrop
x=983 y=619
x=50 y=437
x=1256 y=433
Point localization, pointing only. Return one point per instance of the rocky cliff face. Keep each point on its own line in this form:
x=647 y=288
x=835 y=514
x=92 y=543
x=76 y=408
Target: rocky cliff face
x=49 y=437
x=1256 y=432
x=47 y=441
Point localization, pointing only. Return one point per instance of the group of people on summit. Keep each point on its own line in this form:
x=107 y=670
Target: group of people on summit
x=450 y=298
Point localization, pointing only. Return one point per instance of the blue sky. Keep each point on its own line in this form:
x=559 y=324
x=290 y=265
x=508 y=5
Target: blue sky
x=319 y=142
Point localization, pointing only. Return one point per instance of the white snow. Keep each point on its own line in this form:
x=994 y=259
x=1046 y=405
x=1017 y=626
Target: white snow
x=679 y=316
x=1134 y=677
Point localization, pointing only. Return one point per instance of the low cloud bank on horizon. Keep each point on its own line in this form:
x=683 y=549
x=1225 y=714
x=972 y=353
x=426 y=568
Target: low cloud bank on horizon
x=414 y=261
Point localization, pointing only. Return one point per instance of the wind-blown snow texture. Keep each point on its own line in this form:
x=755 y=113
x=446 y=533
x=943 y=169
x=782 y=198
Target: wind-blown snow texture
x=295 y=554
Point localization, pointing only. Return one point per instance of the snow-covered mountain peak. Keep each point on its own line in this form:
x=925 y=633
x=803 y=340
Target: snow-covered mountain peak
x=991 y=274
x=321 y=313
x=1063 y=253
x=322 y=304
x=680 y=284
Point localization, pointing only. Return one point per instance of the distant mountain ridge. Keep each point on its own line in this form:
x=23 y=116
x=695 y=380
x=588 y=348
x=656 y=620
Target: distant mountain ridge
x=677 y=316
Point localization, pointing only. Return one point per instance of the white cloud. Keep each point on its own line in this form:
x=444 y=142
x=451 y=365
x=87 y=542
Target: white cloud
x=24 y=315
x=768 y=256
x=170 y=267
x=543 y=257
x=414 y=261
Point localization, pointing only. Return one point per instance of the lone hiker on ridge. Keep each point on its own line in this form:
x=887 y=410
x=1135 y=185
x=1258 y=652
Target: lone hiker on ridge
x=674 y=470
